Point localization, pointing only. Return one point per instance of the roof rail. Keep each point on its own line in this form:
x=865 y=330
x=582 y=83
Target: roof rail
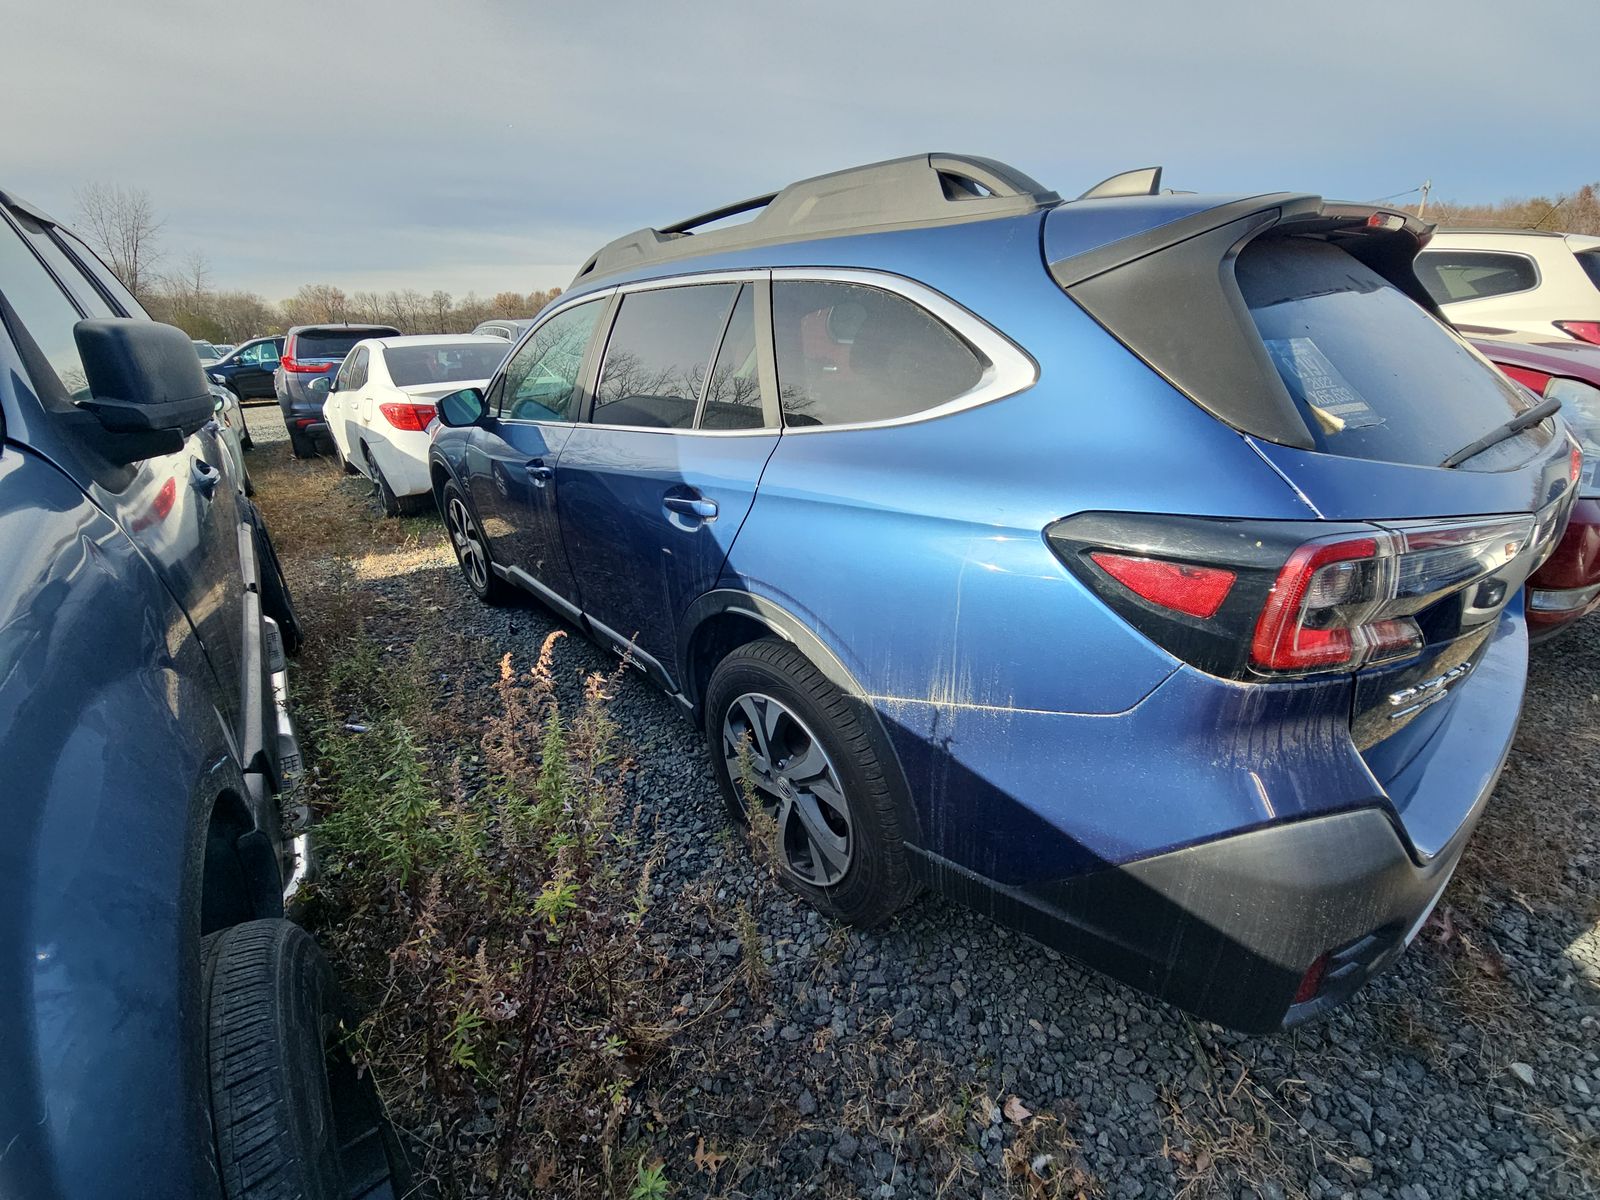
x=901 y=193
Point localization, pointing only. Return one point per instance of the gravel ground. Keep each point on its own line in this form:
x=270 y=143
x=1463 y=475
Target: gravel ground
x=1471 y=1069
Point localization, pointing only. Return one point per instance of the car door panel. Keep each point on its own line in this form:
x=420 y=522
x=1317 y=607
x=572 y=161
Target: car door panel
x=650 y=514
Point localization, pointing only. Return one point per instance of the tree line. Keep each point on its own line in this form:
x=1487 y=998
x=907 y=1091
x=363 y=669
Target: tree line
x=1565 y=212
x=123 y=226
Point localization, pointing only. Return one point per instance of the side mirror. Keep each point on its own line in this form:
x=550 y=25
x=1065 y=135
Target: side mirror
x=461 y=409
x=322 y=385
x=147 y=390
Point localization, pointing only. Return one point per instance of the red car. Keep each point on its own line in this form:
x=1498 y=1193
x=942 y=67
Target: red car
x=1568 y=585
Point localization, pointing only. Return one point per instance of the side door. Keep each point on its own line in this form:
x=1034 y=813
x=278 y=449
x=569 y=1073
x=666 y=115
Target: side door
x=360 y=394
x=336 y=410
x=178 y=508
x=252 y=376
x=511 y=458
x=657 y=480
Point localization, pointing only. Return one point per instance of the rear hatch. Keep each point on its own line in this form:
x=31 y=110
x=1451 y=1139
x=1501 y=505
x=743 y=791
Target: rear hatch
x=1436 y=484
x=324 y=349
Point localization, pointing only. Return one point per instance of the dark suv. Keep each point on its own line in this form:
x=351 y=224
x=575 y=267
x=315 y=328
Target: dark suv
x=310 y=353
x=165 y=1024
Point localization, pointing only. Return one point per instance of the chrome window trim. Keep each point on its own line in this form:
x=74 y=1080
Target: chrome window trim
x=1011 y=369
x=1538 y=275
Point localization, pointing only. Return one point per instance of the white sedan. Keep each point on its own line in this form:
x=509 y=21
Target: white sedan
x=381 y=402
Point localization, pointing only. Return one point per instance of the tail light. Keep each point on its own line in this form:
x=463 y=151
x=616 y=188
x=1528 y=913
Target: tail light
x=415 y=418
x=1584 y=331
x=303 y=368
x=1258 y=599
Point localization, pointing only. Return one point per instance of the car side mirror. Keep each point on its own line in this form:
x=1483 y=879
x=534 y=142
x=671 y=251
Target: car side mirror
x=461 y=409
x=322 y=385
x=147 y=390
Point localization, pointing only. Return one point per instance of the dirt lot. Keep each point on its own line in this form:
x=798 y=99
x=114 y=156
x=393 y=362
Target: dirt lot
x=720 y=1039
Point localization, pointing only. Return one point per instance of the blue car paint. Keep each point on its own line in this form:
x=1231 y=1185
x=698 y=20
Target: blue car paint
x=1040 y=736
x=135 y=701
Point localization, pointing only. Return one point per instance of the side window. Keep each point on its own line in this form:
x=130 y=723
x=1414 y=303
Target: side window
x=251 y=356
x=542 y=377
x=656 y=359
x=1451 y=276
x=268 y=352
x=45 y=311
x=100 y=271
x=733 y=397
x=83 y=291
x=849 y=353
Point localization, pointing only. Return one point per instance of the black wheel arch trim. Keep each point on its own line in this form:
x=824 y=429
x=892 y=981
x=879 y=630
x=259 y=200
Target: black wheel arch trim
x=785 y=625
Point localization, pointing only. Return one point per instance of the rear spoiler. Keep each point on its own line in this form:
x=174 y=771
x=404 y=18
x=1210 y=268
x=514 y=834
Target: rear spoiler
x=1170 y=296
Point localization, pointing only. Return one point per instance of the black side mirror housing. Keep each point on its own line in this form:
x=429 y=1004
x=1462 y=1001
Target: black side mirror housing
x=461 y=409
x=147 y=390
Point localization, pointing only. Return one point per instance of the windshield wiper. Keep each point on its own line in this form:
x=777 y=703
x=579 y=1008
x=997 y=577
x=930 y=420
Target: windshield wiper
x=1528 y=417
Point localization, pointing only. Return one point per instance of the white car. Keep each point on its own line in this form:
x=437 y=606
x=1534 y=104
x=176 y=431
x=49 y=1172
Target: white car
x=1515 y=279
x=381 y=402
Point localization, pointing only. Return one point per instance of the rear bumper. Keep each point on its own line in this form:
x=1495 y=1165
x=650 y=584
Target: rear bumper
x=1228 y=929
x=1309 y=848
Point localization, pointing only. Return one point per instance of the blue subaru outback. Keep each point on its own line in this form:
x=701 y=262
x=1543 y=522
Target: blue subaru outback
x=1144 y=570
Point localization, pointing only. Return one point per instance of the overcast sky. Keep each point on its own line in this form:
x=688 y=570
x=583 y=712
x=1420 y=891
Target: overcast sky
x=493 y=145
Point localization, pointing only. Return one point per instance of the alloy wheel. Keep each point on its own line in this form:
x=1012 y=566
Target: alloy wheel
x=468 y=543
x=766 y=744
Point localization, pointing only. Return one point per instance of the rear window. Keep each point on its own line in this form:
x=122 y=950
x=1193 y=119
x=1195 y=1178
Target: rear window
x=333 y=343
x=446 y=362
x=1373 y=375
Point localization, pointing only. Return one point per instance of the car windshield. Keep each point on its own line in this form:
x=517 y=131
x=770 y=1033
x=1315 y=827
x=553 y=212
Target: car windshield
x=442 y=362
x=206 y=350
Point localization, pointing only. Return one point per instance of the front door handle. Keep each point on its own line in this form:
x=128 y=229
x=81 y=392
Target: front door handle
x=539 y=473
x=691 y=506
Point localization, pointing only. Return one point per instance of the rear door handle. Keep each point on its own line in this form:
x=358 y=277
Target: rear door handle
x=204 y=477
x=691 y=506
x=539 y=473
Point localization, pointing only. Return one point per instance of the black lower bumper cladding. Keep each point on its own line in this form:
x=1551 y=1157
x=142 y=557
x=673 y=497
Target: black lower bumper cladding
x=1228 y=929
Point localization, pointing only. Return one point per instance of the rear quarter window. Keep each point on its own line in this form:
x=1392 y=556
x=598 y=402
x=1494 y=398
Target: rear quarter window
x=1452 y=276
x=1373 y=375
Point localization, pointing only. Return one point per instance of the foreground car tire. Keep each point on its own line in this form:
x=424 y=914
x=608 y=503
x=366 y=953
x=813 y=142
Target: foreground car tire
x=472 y=550
x=837 y=841
x=291 y=1119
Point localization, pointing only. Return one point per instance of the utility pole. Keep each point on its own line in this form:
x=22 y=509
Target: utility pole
x=1427 y=186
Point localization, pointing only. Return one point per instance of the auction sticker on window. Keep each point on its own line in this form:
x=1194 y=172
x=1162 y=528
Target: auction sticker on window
x=1338 y=405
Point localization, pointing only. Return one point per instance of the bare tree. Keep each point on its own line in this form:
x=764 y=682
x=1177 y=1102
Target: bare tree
x=122 y=224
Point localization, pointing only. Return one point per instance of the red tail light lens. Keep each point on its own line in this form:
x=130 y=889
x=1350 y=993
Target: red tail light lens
x=1584 y=331
x=1526 y=376
x=303 y=368
x=414 y=418
x=1253 y=599
x=1183 y=587
x=1311 y=981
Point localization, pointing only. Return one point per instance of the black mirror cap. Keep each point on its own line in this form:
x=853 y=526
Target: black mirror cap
x=144 y=379
x=461 y=409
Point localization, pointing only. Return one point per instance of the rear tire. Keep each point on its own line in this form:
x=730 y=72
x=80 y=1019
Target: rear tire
x=388 y=503
x=839 y=844
x=472 y=550
x=290 y=1118
x=300 y=445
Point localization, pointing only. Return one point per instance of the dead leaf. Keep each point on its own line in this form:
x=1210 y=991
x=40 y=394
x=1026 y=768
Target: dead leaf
x=544 y=1174
x=707 y=1160
x=1015 y=1112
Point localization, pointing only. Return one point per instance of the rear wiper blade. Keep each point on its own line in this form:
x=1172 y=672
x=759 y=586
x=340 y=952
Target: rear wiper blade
x=1528 y=417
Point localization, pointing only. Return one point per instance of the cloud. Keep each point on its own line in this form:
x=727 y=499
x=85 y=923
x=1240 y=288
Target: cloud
x=494 y=145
